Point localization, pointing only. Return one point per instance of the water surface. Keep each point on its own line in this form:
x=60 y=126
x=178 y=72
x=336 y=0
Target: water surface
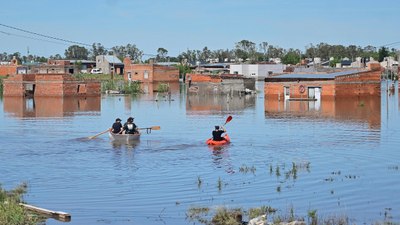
x=346 y=156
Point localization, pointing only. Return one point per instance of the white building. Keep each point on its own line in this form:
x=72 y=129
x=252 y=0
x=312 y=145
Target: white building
x=258 y=71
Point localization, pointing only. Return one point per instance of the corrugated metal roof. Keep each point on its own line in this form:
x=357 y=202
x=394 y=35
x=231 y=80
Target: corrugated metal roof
x=315 y=75
x=112 y=59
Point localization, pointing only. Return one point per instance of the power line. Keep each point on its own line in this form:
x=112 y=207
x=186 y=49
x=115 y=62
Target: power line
x=46 y=36
x=394 y=43
x=38 y=39
x=51 y=37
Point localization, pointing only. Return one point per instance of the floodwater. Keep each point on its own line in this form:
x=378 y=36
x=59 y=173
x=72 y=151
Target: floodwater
x=337 y=157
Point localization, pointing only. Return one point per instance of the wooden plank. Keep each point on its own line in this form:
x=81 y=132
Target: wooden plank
x=58 y=215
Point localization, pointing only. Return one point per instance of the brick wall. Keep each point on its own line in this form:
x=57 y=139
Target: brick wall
x=50 y=85
x=202 y=78
x=155 y=73
x=8 y=70
x=276 y=89
x=165 y=73
x=367 y=83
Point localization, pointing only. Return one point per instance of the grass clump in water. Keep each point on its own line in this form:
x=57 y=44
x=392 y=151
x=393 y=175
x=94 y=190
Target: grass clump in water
x=11 y=213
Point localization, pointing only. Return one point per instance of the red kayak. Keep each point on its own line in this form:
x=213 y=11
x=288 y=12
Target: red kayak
x=227 y=140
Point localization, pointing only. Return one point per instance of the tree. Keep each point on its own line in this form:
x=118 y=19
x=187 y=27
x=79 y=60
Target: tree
x=275 y=52
x=245 y=50
x=56 y=57
x=264 y=49
x=382 y=53
x=205 y=55
x=292 y=57
x=97 y=49
x=76 y=52
x=129 y=50
x=161 y=54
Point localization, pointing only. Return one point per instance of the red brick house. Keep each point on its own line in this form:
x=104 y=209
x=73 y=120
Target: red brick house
x=49 y=85
x=149 y=73
x=351 y=83
x=9 y=68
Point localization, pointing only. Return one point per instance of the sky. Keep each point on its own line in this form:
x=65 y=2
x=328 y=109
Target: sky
x=179 y=25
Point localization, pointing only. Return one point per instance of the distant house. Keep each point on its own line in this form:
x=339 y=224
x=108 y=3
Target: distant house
x=9 y=68
x=257 y=71
x=109 y=64
x=317 y=86
x=49 y=84
x=149 y=73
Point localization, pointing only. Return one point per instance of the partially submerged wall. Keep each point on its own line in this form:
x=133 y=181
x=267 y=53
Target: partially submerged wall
x=218 y=84
x=50 y=85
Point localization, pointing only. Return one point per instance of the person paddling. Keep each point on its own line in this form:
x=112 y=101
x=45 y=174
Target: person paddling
x=117 y=126
x=217 y=133
x=130 y=127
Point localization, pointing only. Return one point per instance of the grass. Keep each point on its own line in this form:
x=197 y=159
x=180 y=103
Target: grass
x=11 y=213
x=1 y=86
x=100 y=77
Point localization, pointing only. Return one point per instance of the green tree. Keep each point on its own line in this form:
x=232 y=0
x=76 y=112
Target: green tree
x=382 y=53
x=264 y=50
x=128 y=50
x=97 y=49
x=161 y=54
x=245 y=50
x=292 y=57
x=56 y=57
x=76 y=52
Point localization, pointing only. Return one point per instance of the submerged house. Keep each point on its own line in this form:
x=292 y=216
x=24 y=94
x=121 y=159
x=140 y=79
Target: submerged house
x=109 y=64
x=350 y=83
x=257 y=71
x=232 y=84
x=49 y=84
x=149 y=73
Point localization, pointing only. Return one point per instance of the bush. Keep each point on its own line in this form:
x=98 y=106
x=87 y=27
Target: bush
x=11 y=213
x=132 y=88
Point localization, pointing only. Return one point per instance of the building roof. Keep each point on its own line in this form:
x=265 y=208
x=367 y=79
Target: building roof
x=84 y=61
x=167 y=63
x=112 y=59
x=314 y=75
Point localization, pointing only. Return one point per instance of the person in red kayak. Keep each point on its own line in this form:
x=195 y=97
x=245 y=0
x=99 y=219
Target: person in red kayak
x=217 y=133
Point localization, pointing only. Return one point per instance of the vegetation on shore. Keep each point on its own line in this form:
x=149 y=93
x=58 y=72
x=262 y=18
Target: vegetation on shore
x=265 y=215
x=1 y=86
x=112 y=83
x=11 y=213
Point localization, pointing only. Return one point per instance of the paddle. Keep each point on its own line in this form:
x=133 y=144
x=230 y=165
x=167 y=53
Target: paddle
x=228 y=120
x=152 y=128
x=94 y=136
x=148 y=129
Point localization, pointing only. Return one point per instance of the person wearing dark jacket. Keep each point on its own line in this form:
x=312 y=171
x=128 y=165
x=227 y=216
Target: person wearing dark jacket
x=117 y=126
x=130 y=127
x=217 y=133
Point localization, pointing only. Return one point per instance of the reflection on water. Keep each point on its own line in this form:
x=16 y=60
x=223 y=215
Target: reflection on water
x=125 y=144
x=210 y=103
x=362 y=110
x=322 y=157
x=50 y=106
x=221 y=158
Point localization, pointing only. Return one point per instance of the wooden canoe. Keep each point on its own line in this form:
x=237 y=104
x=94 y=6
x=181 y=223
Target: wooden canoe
x=124 y=137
